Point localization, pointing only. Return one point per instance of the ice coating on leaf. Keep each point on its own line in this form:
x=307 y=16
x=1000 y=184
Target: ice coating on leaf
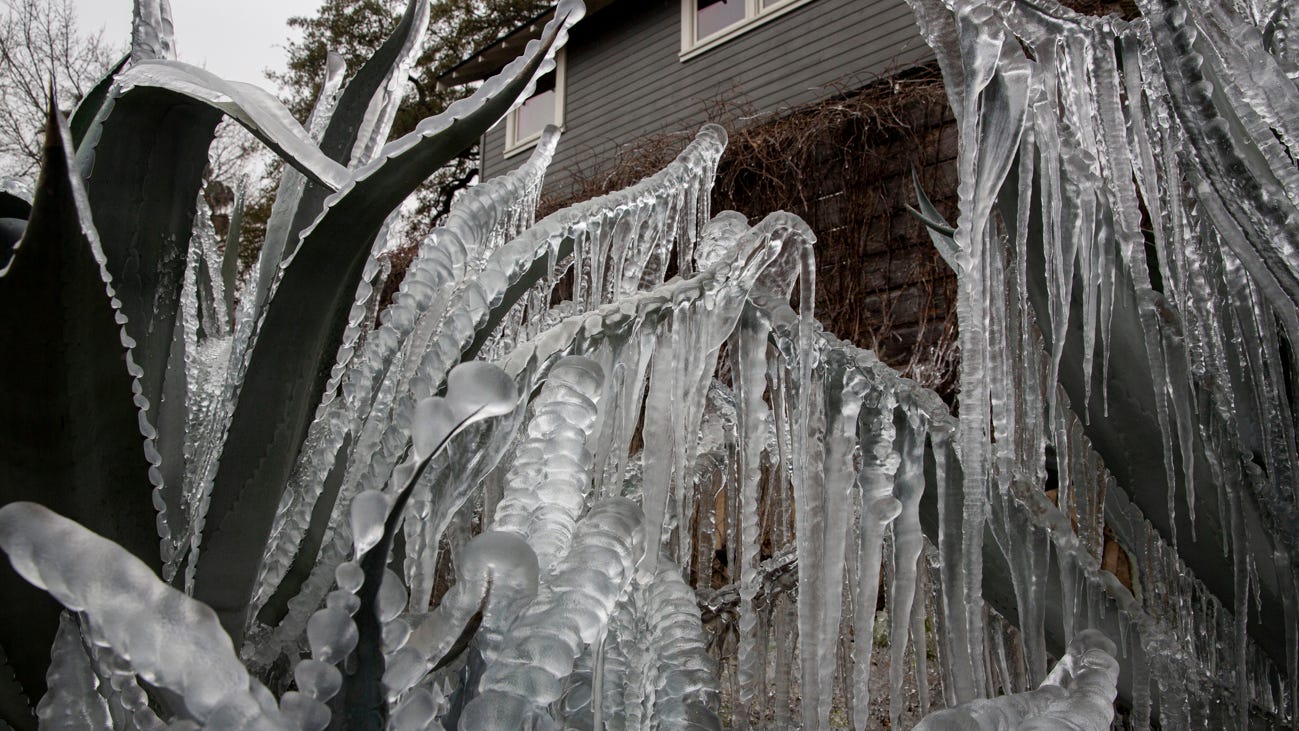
x=382 y=111
x=479 y=220
x=1130 y=249
x=369 y=511
x=260 y=112
x=550 y=479
x=476 y=391
x=496 y=577
x=538 y=650
x=1078 y=694
x=72 y=701
x=680 y=190
x=684 y=683
x=169 y=639
x=153 y=35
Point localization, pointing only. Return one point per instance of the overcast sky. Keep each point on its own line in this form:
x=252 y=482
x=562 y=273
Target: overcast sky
x=234 y=39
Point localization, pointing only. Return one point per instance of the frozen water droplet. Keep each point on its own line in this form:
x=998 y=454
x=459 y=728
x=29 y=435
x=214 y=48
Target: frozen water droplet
x=395 y=634
x=320 y=680
x=481 y=388
x=331 y=635
x=392 y=596
x=306 y=713
x=415 y=712
x=343 y=600
x=369 y=511
x=403 y=669
x=434 y=420
x=349 y=576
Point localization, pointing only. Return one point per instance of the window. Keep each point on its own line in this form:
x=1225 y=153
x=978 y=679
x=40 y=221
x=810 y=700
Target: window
x=707 y=23
x=546 y=106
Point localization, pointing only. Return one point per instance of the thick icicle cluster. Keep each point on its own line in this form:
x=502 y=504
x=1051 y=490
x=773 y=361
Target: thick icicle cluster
x=663 y=500
x=1078 y=695
x=1124 y=254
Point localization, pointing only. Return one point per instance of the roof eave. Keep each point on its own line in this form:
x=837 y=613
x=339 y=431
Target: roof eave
x=488 y=60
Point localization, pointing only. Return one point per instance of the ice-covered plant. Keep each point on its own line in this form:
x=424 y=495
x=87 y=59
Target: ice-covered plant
x=471 y=506
x=221 y=491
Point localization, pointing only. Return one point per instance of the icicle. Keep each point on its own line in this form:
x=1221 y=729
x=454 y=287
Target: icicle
x=72 y=701
x=880 y=461
x=908 y=544
x=749 y=369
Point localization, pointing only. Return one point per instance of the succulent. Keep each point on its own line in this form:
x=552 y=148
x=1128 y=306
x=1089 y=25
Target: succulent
x=276 y=502
x=206 y=492
x=266 y=504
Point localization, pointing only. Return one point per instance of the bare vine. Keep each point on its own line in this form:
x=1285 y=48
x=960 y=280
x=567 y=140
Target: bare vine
x=844 y=165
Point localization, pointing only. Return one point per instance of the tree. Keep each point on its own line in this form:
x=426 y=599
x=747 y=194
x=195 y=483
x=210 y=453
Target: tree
x=354 y=29
x=40 y=46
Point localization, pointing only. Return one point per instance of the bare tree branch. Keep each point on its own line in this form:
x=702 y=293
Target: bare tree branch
x=41 y=46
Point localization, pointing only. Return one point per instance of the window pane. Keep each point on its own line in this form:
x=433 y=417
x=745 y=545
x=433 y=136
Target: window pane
x=537 y=112
x=712 y=16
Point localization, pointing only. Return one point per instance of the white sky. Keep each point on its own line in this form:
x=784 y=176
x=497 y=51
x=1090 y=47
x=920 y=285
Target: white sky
x=234 y=39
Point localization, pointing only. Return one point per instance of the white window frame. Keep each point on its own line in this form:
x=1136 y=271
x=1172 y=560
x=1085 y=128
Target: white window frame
x=754 y=15
x=515 y=146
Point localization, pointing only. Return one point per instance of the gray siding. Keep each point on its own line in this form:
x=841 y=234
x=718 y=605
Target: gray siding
x=625 y=79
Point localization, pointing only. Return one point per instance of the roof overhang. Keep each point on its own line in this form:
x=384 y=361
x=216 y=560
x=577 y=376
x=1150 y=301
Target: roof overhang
x=486 y=61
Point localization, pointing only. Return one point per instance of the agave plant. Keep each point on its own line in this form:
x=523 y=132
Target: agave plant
x=293 y=451
x=474 y=508
x=106 y=264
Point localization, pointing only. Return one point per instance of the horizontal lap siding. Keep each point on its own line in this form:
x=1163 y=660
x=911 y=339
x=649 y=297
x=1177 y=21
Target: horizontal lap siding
x=625 y=80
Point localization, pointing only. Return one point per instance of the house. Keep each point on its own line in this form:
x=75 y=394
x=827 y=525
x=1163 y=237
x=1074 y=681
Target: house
x=636 y=80
x=631 y=70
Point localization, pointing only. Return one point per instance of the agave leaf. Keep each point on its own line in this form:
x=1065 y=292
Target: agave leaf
x=289 y=215
x=256 y=109
x=363 y=118
x=940 y=231
x=71 y=434
x=15 y=209
x=303 y=326
x=169 y=639
x=353 y=125
x=475 y=391
x=143 y=162
x=150 y=140
x=89 y=107
x=153 y=35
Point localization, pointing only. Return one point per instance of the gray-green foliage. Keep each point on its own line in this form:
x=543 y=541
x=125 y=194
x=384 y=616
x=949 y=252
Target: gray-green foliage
x=94 y=271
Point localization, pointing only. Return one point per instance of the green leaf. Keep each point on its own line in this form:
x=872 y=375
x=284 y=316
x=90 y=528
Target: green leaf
x=143 y=159
x=298 y=204
x=940 y=232
x=303 y=326
x=256 y=109
x=15 y=209
x=89 y=107
x=71 y=438
x=358 y=103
